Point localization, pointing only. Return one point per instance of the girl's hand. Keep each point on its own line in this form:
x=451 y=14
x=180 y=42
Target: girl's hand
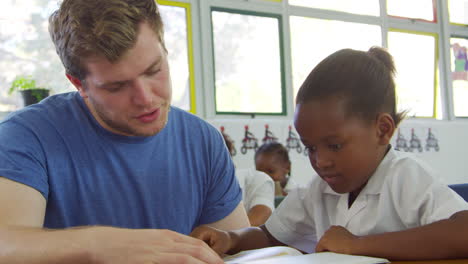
x=220 y=241
x=337 y=239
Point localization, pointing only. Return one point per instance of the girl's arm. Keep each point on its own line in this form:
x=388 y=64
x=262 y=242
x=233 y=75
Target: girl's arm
x=232 y=242
x=445 y=239
x=252 y=238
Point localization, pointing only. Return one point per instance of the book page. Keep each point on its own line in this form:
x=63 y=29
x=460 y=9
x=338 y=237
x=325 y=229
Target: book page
x=318 y=258
x=262 y=253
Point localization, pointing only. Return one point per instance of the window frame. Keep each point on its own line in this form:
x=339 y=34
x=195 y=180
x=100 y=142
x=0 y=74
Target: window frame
x=282 y=71
x=201 y=59
x=190 y=49
x=435 y=105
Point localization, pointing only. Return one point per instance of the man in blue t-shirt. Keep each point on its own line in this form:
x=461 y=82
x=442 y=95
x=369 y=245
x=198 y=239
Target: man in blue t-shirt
x=115 y=159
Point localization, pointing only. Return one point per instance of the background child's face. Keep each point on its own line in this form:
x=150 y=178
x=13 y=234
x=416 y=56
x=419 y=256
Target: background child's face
x=272 y=165
x=343 y=150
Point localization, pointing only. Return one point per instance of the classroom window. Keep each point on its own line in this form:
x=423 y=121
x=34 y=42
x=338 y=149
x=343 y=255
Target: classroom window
x=323 y=38
x=415 y=61
x=459 y=75
x=414 y=9
x=177 y=42
x=26 y=49
x=361 y=7
x=458 y=11
x=248 y=63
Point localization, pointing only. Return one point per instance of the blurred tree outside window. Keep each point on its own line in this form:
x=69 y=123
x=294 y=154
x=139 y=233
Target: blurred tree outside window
x=360 y=7
x=248 y=66
x=415 y=62
x=414 y=9
x=175 y=38
x=458 y=11
x=459 y=70
x=26 y=49
x=324 y=38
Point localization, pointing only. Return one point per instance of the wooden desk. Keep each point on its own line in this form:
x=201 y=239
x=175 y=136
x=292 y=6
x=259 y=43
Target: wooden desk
x=452 y=261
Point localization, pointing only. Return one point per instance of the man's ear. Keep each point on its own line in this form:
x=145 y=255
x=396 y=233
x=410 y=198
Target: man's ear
x=78 y=85
x=385 y=128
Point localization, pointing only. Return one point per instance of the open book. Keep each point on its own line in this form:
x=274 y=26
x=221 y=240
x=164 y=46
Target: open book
x=285 y=255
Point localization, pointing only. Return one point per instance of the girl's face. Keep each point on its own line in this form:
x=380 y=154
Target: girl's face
x=272 y=165
x=344 y=151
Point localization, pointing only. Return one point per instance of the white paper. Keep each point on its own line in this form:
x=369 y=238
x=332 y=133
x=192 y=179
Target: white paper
x=263 y=253
x=285 y=255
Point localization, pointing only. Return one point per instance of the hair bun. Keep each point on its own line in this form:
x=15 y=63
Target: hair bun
x=384 y=56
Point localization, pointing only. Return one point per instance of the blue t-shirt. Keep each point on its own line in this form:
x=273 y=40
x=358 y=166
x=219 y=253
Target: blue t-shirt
x=178 y=179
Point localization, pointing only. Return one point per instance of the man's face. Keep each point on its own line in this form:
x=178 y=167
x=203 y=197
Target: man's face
x=132 y=96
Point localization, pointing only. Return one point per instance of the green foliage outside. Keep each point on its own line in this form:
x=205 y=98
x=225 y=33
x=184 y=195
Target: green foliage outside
x=23 y=83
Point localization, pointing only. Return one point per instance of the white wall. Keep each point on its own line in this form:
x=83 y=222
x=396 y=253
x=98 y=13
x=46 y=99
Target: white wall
x=451 y=161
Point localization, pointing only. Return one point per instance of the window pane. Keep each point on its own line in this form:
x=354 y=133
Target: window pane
x=26 y=49
x=459 y=75
x=247 y=63
x=361 y=7
x=175 y=37
x=458 y=11
x=332 y=36
x=414 y=57
x=416 y=9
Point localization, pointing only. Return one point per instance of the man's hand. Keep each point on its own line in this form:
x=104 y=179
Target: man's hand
x=122 y=246
x=337 y=239
x=220 y=241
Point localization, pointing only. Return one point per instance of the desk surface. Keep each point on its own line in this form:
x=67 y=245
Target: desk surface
x=452 y=261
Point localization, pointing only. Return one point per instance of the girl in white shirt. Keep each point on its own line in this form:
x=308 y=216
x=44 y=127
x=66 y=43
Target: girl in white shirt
x=273 y=159
x=258 y=190
x=367 y=199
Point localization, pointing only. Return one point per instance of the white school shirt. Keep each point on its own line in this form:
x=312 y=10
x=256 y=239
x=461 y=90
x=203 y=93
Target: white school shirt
x=290 y=185
x=402 y=193
x=257 y=188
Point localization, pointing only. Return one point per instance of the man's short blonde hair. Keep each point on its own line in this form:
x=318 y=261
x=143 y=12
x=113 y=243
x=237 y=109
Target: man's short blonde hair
x=108 y=28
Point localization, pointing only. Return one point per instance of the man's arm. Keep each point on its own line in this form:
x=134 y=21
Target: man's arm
x=237 y=219
x=259 y=214
x=443 y=239
x=23 y=240
x=20 y=205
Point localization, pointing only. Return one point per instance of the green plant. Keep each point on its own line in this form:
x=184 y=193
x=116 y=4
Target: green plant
x=22 y=83
x=27 y=86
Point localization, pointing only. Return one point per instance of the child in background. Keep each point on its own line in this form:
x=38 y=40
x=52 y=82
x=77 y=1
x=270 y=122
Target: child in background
x=273 y=159
x=368 y=199
x=257 y=191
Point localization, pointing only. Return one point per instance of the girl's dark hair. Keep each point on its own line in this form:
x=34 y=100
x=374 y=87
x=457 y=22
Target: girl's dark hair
x=273 y=148
x=365 y=80
x=228 y=143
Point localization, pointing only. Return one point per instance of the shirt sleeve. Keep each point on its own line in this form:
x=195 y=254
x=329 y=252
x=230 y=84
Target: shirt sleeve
x=223 y=193
x=421 y=196
x=292 y=223
x=290 y=185
x=22 y=157
x=261 y=190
